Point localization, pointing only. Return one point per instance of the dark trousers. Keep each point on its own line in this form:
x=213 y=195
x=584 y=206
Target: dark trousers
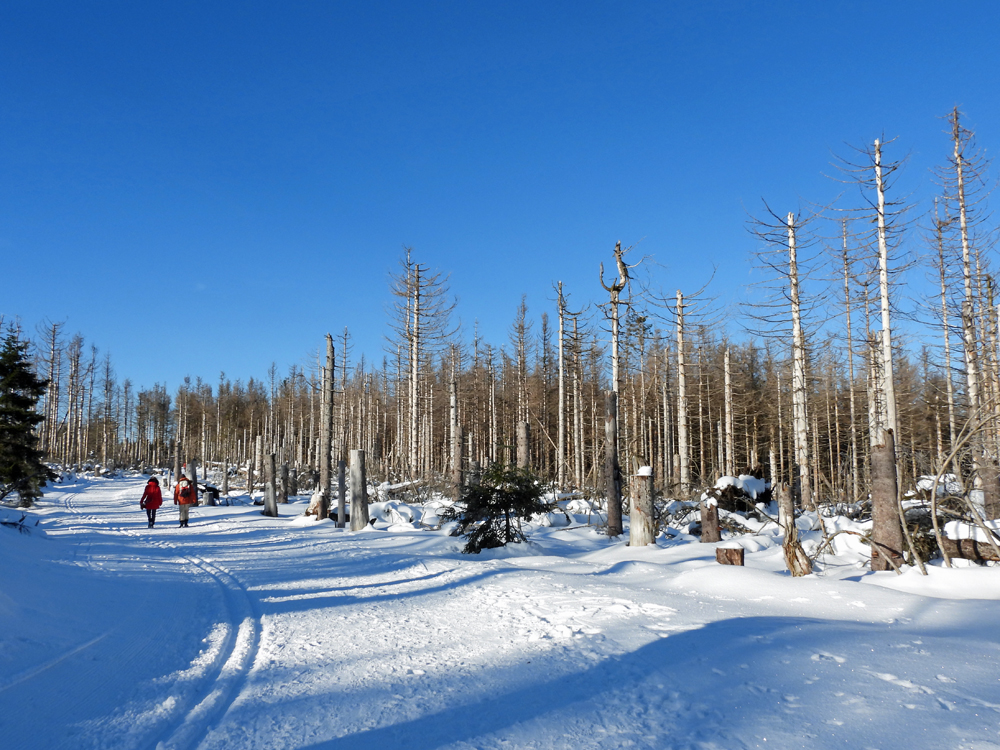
x=151 y=515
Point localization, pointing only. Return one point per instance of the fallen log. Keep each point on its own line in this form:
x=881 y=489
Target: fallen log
x=970 y=549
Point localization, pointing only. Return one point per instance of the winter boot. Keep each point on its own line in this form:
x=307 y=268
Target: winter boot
x=149 y=525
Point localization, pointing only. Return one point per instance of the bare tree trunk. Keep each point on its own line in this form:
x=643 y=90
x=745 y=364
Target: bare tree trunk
x=795 y=557
x=612 y=471
x=561 y=408
x=642 y=528
x=359 y=491
x=523 y=450
x=850 y=373
x=283 y=486
x=887 y=534
x=683 y=448
x=801 y=424
x=341 y=493
x=270 y=494
x=730 y=458
x=326 y=430
x=710 y=521
x=888 y=381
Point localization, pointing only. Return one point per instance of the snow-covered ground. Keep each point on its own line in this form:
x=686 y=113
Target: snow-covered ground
x=250 y=632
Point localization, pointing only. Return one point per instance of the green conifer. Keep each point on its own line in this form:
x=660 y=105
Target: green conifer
x=490 y=512
x=21 y=467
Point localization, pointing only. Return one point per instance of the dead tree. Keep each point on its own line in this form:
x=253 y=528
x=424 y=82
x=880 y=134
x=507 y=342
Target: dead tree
x=326 y=430
x=359 y=491
x=270 y=495
x=887 y=533
x=795 y=557
x=642 y=527
x=612 y=470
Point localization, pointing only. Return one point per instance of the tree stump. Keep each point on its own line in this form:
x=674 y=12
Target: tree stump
x=642 y=530
x=359 y=491
x=730 y=555
x=796 y=559
x=887 y=534
x=710 y=521
x=270 y=491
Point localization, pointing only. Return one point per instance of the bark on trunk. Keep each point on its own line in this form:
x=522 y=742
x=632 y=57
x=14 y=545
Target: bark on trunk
x=887 y=534
x=359 y=491
x=795 y=557
x=612 y=471
x=270 y=495
x=523 y=452
x=642 y=528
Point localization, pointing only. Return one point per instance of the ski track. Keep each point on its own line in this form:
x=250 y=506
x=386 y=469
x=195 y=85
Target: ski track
x=586 y=651
x=193 y=715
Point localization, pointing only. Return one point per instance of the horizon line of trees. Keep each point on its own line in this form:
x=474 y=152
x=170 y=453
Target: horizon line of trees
x=799 y=399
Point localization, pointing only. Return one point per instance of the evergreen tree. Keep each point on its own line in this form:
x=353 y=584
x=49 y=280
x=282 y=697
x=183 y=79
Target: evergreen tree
x=490 y=513
x=21 y=467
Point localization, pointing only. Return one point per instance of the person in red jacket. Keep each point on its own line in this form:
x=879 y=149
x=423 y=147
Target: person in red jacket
x=185 y=495
x=151 y=500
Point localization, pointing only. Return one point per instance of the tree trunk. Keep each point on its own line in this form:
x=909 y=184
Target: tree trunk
x=683 y=447
x=341 y=493
x=710 y=520
x=642 y=528
x=795 y=557
x=283 y=486
x=801 y=425
x=359 y=491
x=270 y=494
x=612 y=471
x=523 y=450
x=326 y=430
x=887 y=534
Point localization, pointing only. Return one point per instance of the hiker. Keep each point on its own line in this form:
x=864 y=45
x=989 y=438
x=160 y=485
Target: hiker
x=185 y=495
x=151 y=500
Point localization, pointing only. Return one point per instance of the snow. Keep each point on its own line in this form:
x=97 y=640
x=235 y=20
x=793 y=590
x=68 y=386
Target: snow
x=244 y=631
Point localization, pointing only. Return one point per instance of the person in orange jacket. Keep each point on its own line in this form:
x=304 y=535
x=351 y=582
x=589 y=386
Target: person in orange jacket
x=185 y=495
x=151 y=500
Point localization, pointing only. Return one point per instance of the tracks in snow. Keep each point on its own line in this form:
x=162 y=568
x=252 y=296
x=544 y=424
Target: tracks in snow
x=193 y=713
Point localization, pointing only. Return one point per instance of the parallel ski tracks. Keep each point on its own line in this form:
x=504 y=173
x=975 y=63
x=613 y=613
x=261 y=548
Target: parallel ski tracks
x=195 y=714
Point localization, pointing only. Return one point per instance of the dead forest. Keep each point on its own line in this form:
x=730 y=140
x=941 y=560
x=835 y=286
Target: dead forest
x=800 y=385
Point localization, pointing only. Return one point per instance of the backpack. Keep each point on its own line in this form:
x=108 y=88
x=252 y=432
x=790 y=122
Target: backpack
x=185 y=492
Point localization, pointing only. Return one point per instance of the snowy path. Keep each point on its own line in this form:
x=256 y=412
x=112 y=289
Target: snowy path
x=247 y=632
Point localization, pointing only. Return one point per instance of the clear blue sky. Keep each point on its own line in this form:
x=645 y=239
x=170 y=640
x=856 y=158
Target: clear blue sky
x=200 y=187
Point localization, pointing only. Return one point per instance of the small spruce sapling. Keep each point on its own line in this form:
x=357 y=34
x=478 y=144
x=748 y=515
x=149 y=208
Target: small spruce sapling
x=490 y=513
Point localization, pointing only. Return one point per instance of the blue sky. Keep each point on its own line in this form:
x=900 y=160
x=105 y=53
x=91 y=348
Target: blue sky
x=206 y=187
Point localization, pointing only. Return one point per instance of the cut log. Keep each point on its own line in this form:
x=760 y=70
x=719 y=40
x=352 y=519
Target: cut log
x=970 y=549
x=730 y=556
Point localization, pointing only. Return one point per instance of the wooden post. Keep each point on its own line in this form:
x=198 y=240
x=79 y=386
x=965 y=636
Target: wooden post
x=612 y=471
x=341 y=494
x=359 y=491
x=523 y=450
x=270 y=496
x=642 y=528
x=887 y=534
x=283 y=485
x=225 y=477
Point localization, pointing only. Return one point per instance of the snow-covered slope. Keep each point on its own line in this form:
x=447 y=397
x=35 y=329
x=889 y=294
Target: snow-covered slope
x=248 y=632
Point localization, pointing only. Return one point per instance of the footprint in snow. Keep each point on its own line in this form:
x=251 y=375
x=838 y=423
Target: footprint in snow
x=944 y=678
x=824 y=656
